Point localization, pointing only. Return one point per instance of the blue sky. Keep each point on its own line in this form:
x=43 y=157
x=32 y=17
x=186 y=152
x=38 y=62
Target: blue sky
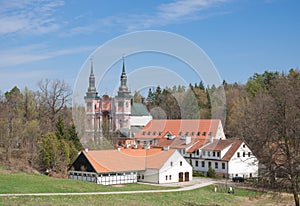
x=54 y=38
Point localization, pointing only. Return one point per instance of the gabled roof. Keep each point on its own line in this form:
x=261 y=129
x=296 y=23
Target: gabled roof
x=198 y=145
x=127 y=159
x=176 y=143
x=217 y=145
x=234 y=147
x=180 y=127
x=94 y=164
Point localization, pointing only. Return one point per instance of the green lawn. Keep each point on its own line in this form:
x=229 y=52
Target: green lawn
x=33 y=183
x=203 y=196
x=30 y=183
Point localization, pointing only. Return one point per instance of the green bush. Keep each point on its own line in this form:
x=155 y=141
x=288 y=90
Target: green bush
x=198 y=174
x=211 y=172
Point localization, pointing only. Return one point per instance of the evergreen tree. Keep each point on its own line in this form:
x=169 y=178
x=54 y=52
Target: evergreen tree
x=73 y=137
x=60 y=131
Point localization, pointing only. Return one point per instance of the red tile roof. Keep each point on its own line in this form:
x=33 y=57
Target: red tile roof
x=176 y=143
x=180 y=127
x=198 y=145
x=127 y=159
x=234 y=147
x=217 y=145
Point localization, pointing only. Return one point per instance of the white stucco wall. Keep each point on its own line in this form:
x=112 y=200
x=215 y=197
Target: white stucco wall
x=172 y=167
x=220 y=132
x=150 y=175
x=204 y=169
x=243 y=166
x=140 y=120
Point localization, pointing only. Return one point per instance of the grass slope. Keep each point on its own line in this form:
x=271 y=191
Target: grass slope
x=30 y=183
x=37 y=183
x=199 y=197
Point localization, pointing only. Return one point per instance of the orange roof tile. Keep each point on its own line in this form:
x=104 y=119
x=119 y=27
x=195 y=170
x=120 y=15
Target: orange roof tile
x=176 y=143
x=234 y=147
x=198 y=145
x=217 y=145
x=94 y=163
x=180 y=127
x=127 y=159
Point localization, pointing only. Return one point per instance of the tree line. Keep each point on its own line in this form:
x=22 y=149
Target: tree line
x=36 y=128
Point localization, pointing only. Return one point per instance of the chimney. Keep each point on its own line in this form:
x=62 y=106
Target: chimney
x=166 y=148
x=210 y=138
x=188 y=140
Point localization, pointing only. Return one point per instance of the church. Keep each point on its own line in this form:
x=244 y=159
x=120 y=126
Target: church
x=117 y=115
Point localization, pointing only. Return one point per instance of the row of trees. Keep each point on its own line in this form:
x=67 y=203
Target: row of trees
x=30 y=124
x=179 y=102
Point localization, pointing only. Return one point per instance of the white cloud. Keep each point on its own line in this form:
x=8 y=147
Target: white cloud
x=35 y=52
x=184 y=8
x=164 y=14
x=29 y=16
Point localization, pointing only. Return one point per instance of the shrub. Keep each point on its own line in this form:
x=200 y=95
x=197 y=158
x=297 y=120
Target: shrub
x=211 y=172
x=198 y=174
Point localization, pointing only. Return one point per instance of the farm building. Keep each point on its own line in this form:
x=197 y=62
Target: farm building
x=130 y=165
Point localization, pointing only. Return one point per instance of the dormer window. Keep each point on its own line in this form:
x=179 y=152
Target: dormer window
x=187 y=133
x=198 y=133
x=154 y=133
x=149 y=133
x=144 y=133
x=179 y=133
x=192 y=134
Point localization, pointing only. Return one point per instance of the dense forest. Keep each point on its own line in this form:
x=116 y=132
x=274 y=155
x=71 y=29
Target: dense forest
x=37 y=132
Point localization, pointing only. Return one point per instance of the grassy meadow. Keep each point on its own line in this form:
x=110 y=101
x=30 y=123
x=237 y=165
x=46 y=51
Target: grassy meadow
x=36 y=183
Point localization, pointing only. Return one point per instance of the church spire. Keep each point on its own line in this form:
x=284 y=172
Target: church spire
x=124 y=76
x=123 y=69
x=92 y=92
x=123 y=89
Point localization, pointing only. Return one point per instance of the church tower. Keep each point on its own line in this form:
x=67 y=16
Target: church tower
x=92 y=110
x=122 y=104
